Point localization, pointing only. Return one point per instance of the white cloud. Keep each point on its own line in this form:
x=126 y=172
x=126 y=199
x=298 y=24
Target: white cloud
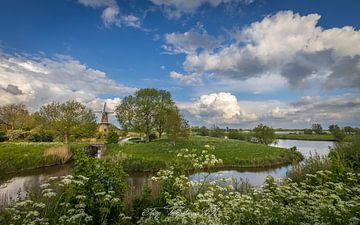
x=217 y=108
x=192 y=79
x=37 y=80
x=174 y=9
x=285 y=44
x=190 y=41
x=224 y=109
x=111 y=13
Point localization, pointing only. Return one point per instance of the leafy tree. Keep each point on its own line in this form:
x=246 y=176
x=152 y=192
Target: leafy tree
x=147 y=110
x=317 y=128
x=15 y=117
x=65 y=119
x=338 y=133
x=125 y=113
x=264 y=134
x=348 y=130
x=176 y=125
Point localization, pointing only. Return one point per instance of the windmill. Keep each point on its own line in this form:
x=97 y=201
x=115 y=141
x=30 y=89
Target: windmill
x=104 y=124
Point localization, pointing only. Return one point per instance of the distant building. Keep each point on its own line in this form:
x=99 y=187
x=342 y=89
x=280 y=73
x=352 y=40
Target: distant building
x=104 y=124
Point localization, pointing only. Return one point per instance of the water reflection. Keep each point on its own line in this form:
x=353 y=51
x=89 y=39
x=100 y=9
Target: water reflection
x=307 y=148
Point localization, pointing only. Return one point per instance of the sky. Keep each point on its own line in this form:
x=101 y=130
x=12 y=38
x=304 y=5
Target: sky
x=230 y=63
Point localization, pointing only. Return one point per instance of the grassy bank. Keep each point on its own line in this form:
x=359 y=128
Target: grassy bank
x=158 y=154
x=16 y=156
x=310 y=137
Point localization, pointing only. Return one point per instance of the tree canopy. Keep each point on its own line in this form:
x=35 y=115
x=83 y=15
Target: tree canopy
x=15 y=116
x=69 y=118
x=147 y=110
x=264 y=134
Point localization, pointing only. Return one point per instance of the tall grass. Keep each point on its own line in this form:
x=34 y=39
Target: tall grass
x=60 y=153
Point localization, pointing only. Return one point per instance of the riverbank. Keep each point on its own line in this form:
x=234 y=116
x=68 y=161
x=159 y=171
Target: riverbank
x=234 y=153
x=18 y=156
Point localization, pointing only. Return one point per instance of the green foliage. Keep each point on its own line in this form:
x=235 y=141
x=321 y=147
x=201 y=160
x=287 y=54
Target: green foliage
x=103 y=178
x=176 y=126
x=17 y=135
x=317 y=128
x=264 y=134
x=112 y=137
x=152 y=136
x=92 y=195
x=217 y=132
x=3 y=136
x=308 y=131
x=40 y=137
x=349 y=153
x=15 y=116
x=147 y=110
x=203 y=131
x=318 y=199
x=66 y=119
x=311 y=165
x=338 y=133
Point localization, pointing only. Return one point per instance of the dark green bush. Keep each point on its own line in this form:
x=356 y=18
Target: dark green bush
x=349 y=153
x=112 y=137
x=152 y=136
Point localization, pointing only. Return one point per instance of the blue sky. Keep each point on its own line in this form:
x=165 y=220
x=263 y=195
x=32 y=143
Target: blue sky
x=226 y=62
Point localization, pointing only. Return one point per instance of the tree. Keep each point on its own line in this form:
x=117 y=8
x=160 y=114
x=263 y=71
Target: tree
x=176 y=126
x=317 y=128
x=112 y=137
x=147 y=110
x=348 y=130
x=65 y=119
x=338 y=133
x=15 y=117
x=264 y=134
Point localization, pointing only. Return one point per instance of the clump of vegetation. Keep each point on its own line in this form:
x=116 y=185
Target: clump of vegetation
x=217 y=132
x=151 y=109
x=92 y=195
x=338 y=133
x=112 y=137
x=317 y=128
x=349 y=153
x=264 y=134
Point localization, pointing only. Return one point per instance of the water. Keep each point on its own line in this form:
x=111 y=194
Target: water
x=256 y=177
x=26 y=181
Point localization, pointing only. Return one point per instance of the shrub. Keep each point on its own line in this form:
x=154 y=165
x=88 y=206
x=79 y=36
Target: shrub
x=308 y=131
x=3 y=136
x=264 y=134
x=217 y=132
x=112 y=137
x=17 y=135
x=203 y=131
x=349 y=153
x=39 y=137
x=152 y=136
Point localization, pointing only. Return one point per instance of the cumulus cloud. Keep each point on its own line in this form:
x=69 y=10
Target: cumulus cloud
x=224 y=109
x=174 y=9
x=217 y=108
x=111 y=13
x=37 y=80
x=285 y=44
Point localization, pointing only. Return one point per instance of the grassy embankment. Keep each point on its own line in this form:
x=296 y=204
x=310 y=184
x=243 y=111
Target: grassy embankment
x=310 y=137
x=234 y=153
x=17 y=156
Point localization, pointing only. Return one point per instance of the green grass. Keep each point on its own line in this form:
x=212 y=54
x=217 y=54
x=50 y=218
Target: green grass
x=16 y=156
x=233 y=152
x=310 y=137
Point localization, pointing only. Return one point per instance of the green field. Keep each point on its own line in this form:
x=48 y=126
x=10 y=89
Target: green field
x=159 y=153
x=16 y=156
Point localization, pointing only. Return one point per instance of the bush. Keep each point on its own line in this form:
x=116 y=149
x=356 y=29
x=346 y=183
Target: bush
x=38 y=137
x=3 y=136
x=308 y=131
x=264 y=134
x=217 y=132
x=233 y=135
x=349 y=153
x=18 y=135
x=203 y=131
x=152 y=136
x=112 y=137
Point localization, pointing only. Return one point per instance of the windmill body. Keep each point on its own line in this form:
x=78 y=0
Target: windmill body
x=104 y=124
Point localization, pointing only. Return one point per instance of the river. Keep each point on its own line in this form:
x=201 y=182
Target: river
x=19 y=184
